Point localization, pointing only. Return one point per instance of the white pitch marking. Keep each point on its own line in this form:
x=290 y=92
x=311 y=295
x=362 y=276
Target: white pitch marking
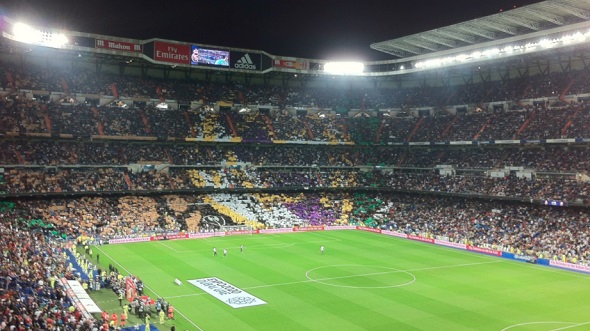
x=573 y=325
x=172 y=248
x=340 y=277
x=147 y=287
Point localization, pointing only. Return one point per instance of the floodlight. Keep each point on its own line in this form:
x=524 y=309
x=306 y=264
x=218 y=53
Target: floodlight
x=57 y=40
x=491 y=52
x=546 y=43
x=25 y=33
x=344 y=68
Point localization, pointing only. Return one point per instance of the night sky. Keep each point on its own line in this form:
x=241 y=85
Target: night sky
x=320 y=29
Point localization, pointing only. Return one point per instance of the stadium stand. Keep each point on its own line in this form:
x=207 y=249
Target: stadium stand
x=396 y=158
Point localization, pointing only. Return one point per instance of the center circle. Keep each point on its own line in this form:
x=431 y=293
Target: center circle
x=360 y=276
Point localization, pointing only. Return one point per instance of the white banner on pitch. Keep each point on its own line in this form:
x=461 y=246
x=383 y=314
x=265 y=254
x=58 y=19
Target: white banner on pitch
x=226 y=292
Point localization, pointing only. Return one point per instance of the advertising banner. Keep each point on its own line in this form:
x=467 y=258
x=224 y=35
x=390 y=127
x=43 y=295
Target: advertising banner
x=280 y=230
x=571 y=266
x=463 y=142
x=394 y=234
x=206 y=235
x=118 y=45
x=560 y=141
x=484 y=250
x=450 y=244
x=226 y=292
x=308 y=228
x=238 y=232
x=170 y=236
x=422 y=239
x=290 y=64
x=129 y=240
x=362 y=228
x=172 y=53
x=339 y=227
x=245 y=61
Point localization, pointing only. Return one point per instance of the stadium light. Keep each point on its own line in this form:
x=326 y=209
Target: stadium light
x=27 y=34
x=477 y=55
x=344 y=68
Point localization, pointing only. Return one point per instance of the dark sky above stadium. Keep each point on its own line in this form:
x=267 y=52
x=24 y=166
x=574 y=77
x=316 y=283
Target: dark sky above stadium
x=320 y=29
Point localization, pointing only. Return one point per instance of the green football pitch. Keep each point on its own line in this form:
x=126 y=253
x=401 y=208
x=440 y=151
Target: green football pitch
x=363 y=281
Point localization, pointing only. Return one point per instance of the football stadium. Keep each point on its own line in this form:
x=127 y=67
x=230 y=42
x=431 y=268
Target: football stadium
x=156 y=184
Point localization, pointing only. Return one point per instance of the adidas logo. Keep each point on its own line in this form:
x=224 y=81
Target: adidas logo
x=245 y=62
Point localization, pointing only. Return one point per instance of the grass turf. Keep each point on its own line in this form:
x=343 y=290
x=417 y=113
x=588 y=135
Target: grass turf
x=364 y=281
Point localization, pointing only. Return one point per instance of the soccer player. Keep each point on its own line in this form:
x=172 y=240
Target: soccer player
x=322 y=249
x=224 y=252
x=214 y=251
x=242 y=248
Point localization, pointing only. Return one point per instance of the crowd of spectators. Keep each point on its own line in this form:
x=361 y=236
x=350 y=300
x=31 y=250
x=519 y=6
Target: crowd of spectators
x=548 y=232
x=20 y=115
x=96 y=180
x=97 y=145
x=540 y=120
x=32 y=266
x=550 y=158
x=77 y=80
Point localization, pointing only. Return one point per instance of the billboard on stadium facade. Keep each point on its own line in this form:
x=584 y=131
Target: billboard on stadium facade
x=171 y=53
x=209 y=57
x=246 y=61
x=291 y=64
x=118 y=45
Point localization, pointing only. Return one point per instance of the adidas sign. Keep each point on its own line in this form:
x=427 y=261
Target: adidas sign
x=245 y=62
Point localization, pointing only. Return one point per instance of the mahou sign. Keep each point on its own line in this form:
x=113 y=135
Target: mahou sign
x=172 y=53
x=118 y=45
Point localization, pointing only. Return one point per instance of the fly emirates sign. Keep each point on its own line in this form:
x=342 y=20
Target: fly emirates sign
x=171 y=53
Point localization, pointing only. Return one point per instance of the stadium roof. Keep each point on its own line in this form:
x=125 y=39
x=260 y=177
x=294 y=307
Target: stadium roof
x=520 y=21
